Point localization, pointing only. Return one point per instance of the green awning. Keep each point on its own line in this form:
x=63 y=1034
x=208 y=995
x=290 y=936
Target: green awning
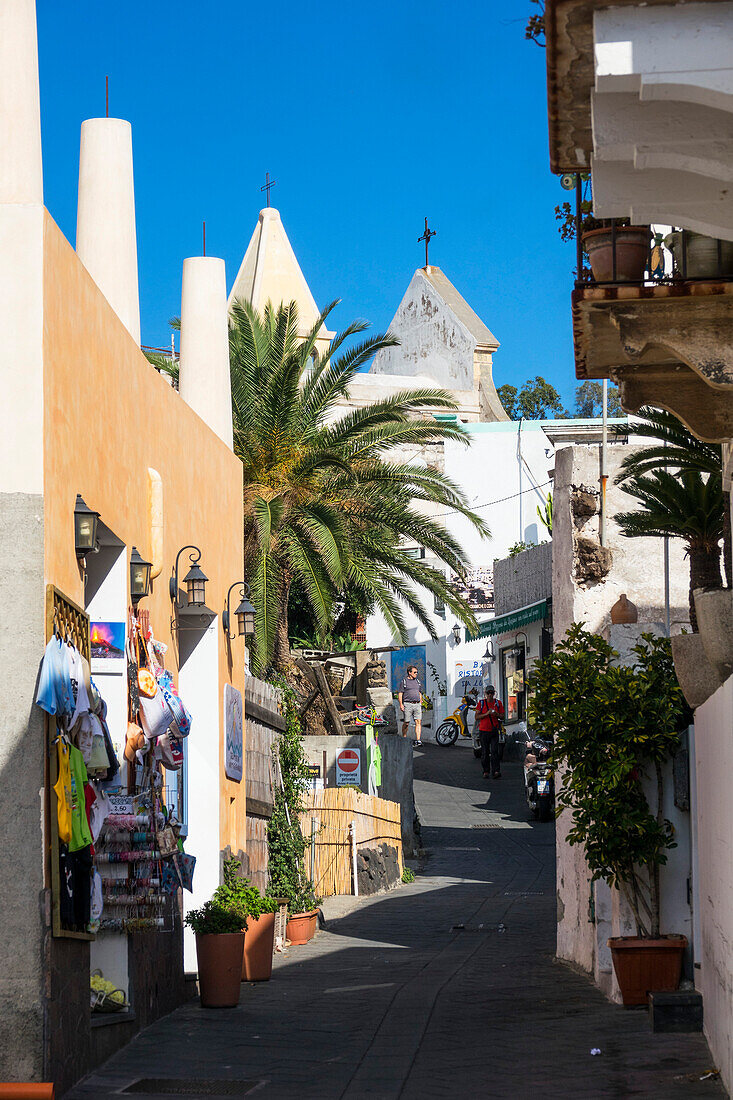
x=512 y=621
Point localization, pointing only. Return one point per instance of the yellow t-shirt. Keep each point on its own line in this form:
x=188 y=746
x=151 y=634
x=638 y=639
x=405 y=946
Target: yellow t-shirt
x=62 y=787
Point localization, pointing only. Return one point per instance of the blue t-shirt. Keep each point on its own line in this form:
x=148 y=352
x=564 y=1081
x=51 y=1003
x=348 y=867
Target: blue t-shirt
x=54 y=686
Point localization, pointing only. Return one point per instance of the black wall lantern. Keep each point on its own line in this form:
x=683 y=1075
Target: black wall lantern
x=139 y=576
x=195 y=580
x=456 y=632
x=85 y=528
x=245 y=613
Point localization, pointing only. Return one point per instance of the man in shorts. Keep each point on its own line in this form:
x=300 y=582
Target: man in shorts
x=409 y=696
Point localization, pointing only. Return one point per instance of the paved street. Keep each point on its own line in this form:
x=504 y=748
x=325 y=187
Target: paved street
x=444 y=987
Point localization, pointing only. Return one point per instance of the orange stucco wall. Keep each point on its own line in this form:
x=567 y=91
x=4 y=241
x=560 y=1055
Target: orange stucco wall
x=108 y=417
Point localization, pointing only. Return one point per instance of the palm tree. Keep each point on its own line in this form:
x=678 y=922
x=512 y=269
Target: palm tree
x=686 y=505
x=328 y=499
x=674 y=447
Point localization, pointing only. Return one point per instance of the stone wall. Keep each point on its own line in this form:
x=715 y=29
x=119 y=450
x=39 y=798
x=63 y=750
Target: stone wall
x=523 y=579
x=587 y=580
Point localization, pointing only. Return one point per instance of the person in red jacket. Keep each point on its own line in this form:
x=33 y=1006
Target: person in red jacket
x=490 y=712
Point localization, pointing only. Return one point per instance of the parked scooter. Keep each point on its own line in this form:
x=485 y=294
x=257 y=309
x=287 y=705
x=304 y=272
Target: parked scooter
x=539 y=780
x=456 y=724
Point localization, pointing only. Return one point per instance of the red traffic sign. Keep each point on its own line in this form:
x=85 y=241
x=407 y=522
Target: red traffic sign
x=348 y=760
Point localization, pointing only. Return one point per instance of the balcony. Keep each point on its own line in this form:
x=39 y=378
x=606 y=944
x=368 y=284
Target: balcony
x=655 y=314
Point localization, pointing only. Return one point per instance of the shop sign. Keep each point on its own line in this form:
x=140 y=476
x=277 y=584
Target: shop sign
x=315 y=782
x=469 y=675
x=234 y=736
x=348 y=768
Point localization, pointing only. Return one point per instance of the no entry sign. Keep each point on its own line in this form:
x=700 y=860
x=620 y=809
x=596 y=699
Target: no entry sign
x=348 y=768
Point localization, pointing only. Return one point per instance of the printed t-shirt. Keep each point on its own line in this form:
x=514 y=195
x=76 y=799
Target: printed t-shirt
x=62 y=787
x=411 y=690
x=80 y=834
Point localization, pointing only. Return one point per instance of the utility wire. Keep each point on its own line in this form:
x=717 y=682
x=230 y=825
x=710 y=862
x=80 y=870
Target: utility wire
x=491 y=503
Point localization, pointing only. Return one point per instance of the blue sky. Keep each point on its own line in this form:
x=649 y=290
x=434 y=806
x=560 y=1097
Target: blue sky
x=369 y=116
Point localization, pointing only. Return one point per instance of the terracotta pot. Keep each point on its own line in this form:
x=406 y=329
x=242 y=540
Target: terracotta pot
x=259 y=943
x=220 y=968
x=624 y=611
x=646 y=966
x=632 y=253
x=301 y=927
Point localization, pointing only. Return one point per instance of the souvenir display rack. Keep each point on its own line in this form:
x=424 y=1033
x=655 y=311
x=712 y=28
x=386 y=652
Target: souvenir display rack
x=69 y=621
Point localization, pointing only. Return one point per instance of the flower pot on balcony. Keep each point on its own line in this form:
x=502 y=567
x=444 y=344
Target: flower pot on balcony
x=698 y=678
x=259 y=941
x=302 y=927
x=632 y=253
x=703 y=260
x=646 y=966
x=714 y=608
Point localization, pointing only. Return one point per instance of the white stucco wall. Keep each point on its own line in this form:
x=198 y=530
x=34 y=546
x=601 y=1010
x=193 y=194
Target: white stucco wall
x=714 y=767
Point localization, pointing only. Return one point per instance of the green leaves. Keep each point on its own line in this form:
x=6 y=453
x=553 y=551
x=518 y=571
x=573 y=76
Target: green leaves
x=613 y=726
x=327 y=503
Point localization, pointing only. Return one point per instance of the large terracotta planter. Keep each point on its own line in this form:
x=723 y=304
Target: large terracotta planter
x=646 y=966
x=259 y=943
x=220 y=968
x=302 y=927
x=697 y=677
x=632 y=253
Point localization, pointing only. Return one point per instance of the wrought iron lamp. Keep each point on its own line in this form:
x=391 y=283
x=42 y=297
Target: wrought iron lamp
x=85 y=528
x=139 y=576
x=245 y=613
x=489 y=655
x=456 y=631
x=195 y=580
x=526 y=641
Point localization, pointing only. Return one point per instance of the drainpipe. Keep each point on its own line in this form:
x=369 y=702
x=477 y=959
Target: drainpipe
x=604 y=475
x=519 y=461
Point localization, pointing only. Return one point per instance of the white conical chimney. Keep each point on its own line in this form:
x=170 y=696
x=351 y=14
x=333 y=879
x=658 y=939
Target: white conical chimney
x=204 y=362
x=106 y=240
x=21 y=177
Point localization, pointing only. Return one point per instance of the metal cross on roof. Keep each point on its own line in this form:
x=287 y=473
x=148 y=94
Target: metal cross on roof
x=426 y=237
x=267 y=185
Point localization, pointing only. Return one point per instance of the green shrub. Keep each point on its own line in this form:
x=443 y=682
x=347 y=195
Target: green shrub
x=408 y=875
x=613 y=726
x=214 y=918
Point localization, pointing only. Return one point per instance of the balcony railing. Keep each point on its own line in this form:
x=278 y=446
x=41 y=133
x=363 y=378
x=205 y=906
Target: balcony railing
x=612 y=252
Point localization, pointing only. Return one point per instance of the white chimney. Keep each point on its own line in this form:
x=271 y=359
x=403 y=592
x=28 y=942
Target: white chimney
x=106 y=240
x=21 y=177
x=204 y=361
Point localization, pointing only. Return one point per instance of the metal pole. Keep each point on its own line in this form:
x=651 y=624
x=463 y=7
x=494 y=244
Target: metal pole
x=578 y=227
x=666 y=578
x=352 y=833
x=519 y=460
x=604 y=475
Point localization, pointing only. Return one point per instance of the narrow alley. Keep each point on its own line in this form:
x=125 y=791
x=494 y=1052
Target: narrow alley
x=447 y=986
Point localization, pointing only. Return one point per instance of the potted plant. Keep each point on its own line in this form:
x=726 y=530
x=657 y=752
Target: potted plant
x=614 y=729
x=597 y=236
x=303 y=915
x=699 y=257
x=219 y=932
x=240 y=896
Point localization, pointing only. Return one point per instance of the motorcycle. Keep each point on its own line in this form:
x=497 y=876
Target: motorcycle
x=539 y=780
x=456 y=724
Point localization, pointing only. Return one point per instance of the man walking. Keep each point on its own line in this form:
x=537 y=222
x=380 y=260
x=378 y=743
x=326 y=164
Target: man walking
x=409 y=696
x=490 y=712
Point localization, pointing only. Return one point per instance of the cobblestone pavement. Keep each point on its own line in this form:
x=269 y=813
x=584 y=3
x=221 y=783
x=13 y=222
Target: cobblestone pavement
x=444 y=987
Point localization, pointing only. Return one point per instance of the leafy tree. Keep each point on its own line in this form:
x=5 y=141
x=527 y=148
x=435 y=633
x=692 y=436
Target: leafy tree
x=328 y=501
x=535 y=28
x=589 y=400
x=613 y=727
x=537 y=400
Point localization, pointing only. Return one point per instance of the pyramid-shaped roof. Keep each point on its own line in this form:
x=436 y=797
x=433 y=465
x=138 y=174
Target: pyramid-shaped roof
x=270 y=272
x=457 y=303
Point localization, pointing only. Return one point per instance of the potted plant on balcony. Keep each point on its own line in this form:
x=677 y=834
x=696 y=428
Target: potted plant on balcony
x=614 y=729
x=632 y=242
x=699 y=257
x=219 y=931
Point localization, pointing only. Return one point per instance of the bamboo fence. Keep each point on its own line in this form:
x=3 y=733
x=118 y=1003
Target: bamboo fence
x=375 y=821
